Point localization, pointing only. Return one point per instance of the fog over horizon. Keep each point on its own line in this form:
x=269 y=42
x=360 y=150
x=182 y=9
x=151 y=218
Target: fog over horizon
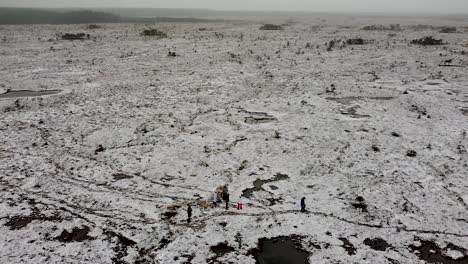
x=378 y=6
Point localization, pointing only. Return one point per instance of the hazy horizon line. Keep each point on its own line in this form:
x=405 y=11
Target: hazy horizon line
x=248 y=11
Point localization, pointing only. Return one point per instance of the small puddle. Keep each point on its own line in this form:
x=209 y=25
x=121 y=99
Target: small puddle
x=27 y=93
x=258 y=117
x=352 y=112
x=284 y=250
x=344 y=100
x=350 y=99
x=258 y=184
x=259 y=120
x=220 y=250
x=121 y=176
x=431 y=253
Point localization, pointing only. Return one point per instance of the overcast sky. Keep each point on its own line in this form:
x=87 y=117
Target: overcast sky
x=388 y=6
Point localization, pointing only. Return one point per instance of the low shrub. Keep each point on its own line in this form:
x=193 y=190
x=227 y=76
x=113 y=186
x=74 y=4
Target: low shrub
x=427 y=41
x=392 y=27
x=271 y=27
x=154 y=33
x=77 y=36
x=355 y=41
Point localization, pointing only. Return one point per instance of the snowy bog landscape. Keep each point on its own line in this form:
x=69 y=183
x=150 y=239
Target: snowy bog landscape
x=107 y=138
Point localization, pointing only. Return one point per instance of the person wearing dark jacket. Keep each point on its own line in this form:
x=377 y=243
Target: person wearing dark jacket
x=226 y=199
x=189 y=213
x=303 y=205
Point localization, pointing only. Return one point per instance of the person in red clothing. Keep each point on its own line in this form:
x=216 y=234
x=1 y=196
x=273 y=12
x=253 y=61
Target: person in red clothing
x=239 y=204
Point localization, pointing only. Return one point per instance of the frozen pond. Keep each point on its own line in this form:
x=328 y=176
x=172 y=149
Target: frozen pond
x=28 y=93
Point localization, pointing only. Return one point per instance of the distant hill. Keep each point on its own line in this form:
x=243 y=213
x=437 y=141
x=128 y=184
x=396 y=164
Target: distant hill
x=45 y=16
x=15 y=16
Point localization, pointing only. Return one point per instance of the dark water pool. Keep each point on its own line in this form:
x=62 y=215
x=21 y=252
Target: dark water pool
x=280 y=250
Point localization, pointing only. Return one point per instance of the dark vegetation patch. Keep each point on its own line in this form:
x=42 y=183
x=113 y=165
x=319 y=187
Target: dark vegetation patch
x=78 y=234
x=432 y=253
x=356 y=41
x=441 y=29
x=21 y=221
x=258 y=184
x=360 y=204
x=391 y=27
x=427 y=41
x=75 y=36
x=169 y=215
x=377 y=244
x=348 y=246
x=93 y=26
x=121 y=246
x=271 y=27
x=284 y=250
x=221 y=249
x=154 y=33
x=448 y=29
x=99 y=149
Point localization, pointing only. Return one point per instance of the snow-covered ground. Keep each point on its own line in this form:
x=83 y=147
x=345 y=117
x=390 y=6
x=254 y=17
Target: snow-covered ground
x=383 y=156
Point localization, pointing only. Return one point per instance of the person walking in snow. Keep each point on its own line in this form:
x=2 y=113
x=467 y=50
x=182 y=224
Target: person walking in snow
x=303 y=205
x=226 y=199
x=189 y=213
x=239 y=204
